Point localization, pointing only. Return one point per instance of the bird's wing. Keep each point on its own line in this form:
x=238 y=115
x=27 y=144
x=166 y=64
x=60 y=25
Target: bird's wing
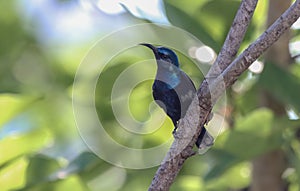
x=188 y=80
x=168 y=100
x=186 y=91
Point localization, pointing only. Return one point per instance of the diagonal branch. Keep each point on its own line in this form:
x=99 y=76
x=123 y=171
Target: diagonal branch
x=210 y=90
x=254 y=51
x=234 y=37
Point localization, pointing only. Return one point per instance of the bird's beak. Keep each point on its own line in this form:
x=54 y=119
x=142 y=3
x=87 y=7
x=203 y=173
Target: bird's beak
x=153 y=48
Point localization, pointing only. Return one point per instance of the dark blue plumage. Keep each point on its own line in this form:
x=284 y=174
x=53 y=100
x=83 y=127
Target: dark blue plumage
x=173 y=90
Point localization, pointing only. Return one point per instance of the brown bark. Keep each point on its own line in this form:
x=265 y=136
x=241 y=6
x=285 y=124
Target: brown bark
x=279 y=52
x=268 y=168
x=234 y=38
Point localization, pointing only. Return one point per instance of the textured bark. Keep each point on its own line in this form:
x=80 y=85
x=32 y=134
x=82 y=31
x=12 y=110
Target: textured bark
x=279 y=52
x=268 y=168
x=234 y=38
x=210 y=90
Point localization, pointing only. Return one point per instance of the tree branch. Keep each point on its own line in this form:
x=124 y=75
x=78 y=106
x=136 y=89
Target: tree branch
x=256 y=49
x=234 y=37
x=210 y=90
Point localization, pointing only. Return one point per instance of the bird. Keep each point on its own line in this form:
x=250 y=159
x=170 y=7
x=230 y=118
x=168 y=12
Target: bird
x=173 y=90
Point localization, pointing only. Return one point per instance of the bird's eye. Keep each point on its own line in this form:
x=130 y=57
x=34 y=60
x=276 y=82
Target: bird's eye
x=164 y=55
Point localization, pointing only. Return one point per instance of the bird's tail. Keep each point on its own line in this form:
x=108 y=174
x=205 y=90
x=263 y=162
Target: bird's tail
x=204 y=141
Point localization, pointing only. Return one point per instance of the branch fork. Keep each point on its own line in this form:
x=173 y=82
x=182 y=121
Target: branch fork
x=226 y=71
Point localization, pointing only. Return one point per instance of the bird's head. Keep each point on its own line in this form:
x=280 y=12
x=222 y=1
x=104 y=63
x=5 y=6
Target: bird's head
x=163 y=53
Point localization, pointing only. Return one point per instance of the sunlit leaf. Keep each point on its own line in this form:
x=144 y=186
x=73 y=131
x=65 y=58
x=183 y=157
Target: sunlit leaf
x=295 y=157
x=295 y=70
x=73 y=183
x=188 y=182
x=117 y=178
x=13 y=146
x=11 y=105
x=239 y=176
x=13 y=176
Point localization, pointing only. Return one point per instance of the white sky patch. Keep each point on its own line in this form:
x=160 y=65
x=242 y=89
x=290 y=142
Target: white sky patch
x=292 y=114
x=87 y=5
x=256 y=67
x=205 y=54
x=110 y=6
x=294 y=48
x=192 y=51
x=76 y=20
x=238 y=87
x=58 y=22
x=150 y=10
x=296 y=25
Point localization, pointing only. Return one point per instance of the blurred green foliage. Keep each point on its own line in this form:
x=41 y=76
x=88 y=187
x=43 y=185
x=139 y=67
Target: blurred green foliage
x=40 y=148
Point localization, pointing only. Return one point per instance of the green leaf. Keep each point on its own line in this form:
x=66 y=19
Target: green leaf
x=39 y=169
x=84 y=162
x=281 y=84
x=14 y=146
x=253 y=135
x=235 y=178
x=238 y=174
x=188 y=182
x=73 y=183
x=216 y=19
x=12 y=176
x=12 y=105
x=224 y=161
x=45 y=173
x=246 y=102
x=181 y=19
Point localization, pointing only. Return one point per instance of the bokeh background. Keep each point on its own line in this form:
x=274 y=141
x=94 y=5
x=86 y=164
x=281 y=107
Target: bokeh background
x=42 y=43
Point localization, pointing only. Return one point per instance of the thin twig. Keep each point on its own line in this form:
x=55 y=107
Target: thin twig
x=190 y=126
